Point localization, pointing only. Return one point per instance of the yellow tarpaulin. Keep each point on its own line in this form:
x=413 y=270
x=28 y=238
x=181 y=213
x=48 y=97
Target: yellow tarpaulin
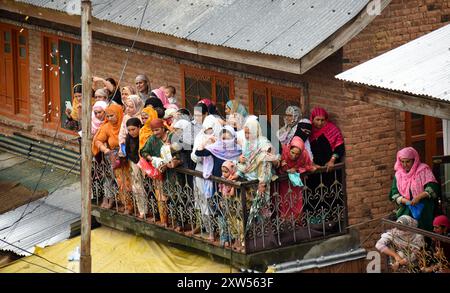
x=118 y=252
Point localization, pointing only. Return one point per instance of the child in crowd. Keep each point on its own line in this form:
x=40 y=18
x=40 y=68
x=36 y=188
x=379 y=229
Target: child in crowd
x=230 y=219
x=169 y=92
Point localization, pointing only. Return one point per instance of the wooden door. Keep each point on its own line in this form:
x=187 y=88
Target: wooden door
x=7 y=72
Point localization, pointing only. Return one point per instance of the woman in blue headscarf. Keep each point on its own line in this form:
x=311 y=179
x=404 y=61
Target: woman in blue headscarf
x=233 y=106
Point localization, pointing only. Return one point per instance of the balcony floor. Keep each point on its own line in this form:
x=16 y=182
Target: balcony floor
x=256 y=260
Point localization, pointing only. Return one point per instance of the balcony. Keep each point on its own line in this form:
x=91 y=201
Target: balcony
x=259 y=230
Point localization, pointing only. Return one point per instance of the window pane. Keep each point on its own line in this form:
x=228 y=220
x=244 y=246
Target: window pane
x=53 y=54
x=259 y=102
x=222 y=95
x=420 y=148
x=196 y=88
x=7 y=48
x=439 y=147
x=65 y=76
x=438 y=124
x=76 y=63
x=417 y=124
x=280 y=102
x=22 y=40
x=7 y=37
x=22 y=52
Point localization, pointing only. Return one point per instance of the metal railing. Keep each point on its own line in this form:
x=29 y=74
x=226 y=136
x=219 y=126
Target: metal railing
x=242 y=219
x=424 y=252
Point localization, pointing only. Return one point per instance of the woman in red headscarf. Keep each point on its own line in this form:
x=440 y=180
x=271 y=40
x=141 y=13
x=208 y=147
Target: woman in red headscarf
x=414 y=188
x=327 y=146
x=327 y=142
x=294 y=159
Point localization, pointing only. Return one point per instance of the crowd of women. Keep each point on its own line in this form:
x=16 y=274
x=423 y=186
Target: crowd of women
x=142 y=133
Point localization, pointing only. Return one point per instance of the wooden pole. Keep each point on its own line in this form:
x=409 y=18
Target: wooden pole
x=86 y=137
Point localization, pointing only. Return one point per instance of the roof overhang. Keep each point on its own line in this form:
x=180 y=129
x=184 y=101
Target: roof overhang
x=182 y=46
x=400 y=101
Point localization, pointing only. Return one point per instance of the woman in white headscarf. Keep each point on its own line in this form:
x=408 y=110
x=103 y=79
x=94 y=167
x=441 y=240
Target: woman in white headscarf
x=133 y=108
x=255 y=163
x=291 y=119
x=402 y=246
x=211 y=127
x=143 y=87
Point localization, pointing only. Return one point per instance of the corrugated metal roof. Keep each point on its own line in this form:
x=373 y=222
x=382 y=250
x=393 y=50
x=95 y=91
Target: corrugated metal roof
x=420 y=67
x=47 y=225
x=289 y=28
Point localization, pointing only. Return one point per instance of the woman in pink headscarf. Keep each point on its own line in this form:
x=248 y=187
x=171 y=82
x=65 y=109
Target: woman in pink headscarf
x=414 y=188
x=98 y=115
x=294 y=159
x=159 y=93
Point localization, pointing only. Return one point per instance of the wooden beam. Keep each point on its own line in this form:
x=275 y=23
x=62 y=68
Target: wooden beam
x=339 y=38
x=160 y=40
x=399 y=101
x=86 y=139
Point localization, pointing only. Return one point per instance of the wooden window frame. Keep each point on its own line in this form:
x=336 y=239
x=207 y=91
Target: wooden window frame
x=430 y=135
x=45 y=95
x=21 y=86
x=215 y=76
x=269 y=89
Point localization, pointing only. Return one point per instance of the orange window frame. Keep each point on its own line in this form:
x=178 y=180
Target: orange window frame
x=14 y=73
x=215 y=77
x=51 y=94
x=290 y=94
x=431 y=132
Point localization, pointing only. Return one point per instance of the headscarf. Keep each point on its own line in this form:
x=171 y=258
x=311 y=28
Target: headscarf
x=205 y=101
x=157 y=123
x=237 y=107
x=187 y=128
x=109 y=132
x=130 y=89
x=95 y=122
x=132 y=143
x=403 y=241
x=144 y=95
x=414 y=180
x=331 y=131
x=230 y=166
x=303 y=163
x=228 y=190
x=102 y=93
x=286 y=133
x=209 y=122
x=146 y=130
x=154 y=102
x=441 y=220
x=77 y=89
x=257 y=149
x=159 y=92
x=222 y=149
x=138 y=106
x=304 y=124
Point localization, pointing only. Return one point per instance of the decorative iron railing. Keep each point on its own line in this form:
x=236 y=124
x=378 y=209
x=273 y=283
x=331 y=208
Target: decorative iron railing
x=236 y=215
x=422 y=251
